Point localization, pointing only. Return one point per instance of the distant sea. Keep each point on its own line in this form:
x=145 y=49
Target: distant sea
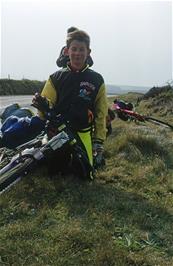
x=122 y=89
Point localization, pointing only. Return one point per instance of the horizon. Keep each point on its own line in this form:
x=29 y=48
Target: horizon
x=106 y=84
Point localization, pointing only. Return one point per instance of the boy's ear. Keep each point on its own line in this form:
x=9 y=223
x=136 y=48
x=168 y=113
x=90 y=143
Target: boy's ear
x=89 y=51
x=65 y=51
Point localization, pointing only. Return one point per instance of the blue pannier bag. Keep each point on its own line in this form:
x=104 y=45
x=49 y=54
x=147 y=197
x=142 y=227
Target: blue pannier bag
x=16 y=131
x=16 y=110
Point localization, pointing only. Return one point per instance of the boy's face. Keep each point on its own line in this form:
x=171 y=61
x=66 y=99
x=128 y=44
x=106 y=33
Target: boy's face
x=78 y=53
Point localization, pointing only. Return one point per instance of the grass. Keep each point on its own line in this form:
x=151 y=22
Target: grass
x=123 y=217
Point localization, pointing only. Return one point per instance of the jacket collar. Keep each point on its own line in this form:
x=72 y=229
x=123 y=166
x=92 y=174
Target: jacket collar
x=77 y=71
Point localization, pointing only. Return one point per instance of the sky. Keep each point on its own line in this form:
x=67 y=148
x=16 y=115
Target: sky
x=131 y=41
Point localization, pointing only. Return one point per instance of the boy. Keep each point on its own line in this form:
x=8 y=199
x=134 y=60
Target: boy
x=79 y=94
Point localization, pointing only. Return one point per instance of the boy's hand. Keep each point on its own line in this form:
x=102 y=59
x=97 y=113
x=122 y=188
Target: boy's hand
x=98 y=155
x=40 y=102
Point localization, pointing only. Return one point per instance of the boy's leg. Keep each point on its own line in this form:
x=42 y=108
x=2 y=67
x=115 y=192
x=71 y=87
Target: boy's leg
x=82 y=155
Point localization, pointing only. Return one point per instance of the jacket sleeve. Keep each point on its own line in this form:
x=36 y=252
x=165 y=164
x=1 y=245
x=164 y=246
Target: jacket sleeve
x=50 y=93
x=101 y=110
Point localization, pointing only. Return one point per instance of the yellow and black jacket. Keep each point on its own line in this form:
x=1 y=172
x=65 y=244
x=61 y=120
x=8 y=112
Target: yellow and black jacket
x=65 y=85
x=71 y=91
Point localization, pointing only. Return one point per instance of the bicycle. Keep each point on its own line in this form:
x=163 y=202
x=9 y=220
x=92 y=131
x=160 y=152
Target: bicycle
x=28 y=155
x=125 y=114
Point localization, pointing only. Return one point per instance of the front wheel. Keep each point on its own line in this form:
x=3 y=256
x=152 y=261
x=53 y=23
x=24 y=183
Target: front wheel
x=13 y=171
x=158 y=122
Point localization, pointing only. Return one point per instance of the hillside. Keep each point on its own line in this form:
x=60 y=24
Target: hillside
x=20 y=87
x=124 y=217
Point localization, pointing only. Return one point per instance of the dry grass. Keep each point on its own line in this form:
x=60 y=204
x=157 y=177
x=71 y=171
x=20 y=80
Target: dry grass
x=124 y=217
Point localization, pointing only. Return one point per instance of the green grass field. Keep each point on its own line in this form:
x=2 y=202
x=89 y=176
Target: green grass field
x=123 y=217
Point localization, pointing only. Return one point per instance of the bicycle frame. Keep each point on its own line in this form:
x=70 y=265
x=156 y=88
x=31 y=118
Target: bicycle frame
x=21 y=163
x=139 y=117
x=30 y=153
x=130 y=113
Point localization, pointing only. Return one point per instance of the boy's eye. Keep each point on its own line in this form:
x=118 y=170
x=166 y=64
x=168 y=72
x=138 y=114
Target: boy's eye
x=82 y=49
x=74 y=49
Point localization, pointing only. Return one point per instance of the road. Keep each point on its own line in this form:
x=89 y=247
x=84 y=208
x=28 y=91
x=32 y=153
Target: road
x=23 y=100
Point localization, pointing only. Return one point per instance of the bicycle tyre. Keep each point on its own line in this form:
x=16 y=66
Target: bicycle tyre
x=14 y=171
x=158 y=122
